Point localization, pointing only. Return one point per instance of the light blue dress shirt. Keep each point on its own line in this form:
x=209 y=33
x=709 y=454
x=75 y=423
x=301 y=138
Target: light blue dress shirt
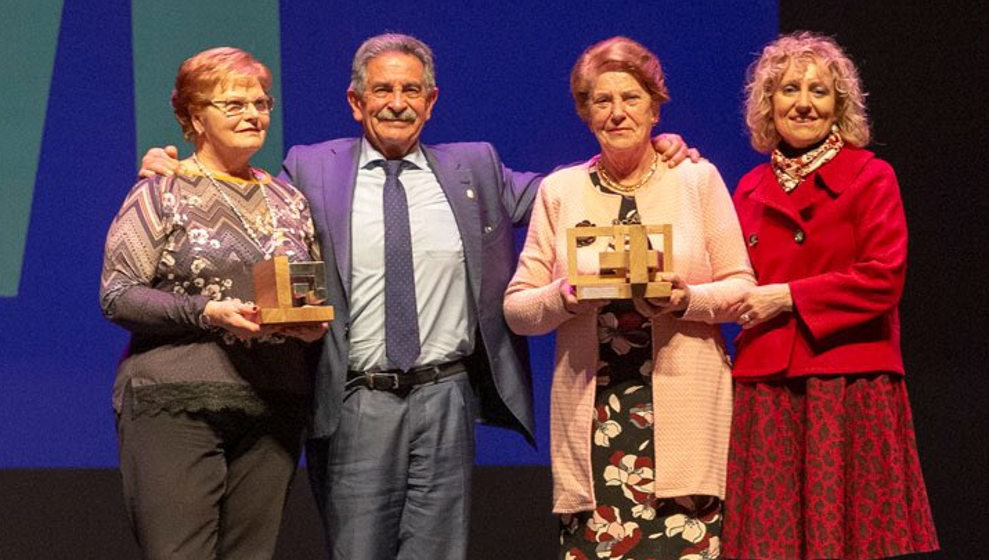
x=446 y=321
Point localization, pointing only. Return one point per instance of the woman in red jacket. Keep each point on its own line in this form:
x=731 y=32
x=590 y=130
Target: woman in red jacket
x=823 y=460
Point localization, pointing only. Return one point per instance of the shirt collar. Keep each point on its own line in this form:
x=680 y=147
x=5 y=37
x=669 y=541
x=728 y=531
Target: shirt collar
x=370 y=155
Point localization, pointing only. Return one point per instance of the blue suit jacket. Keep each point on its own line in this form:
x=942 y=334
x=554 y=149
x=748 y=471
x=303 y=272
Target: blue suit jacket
x=487 y=200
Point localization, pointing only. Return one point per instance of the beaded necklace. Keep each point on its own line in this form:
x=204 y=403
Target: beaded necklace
x=247 y=226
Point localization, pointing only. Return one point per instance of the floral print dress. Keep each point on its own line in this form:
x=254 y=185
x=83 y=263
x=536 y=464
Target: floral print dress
x=629 y=522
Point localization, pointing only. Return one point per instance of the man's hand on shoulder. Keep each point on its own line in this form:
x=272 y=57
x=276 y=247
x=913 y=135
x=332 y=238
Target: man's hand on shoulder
x=673 y=150
x=160 y=161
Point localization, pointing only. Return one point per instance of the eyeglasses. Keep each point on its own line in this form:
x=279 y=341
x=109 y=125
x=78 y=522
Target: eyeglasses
x=234 y=107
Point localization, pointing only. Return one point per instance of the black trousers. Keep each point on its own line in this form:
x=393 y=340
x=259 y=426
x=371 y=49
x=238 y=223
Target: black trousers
x=206 y=485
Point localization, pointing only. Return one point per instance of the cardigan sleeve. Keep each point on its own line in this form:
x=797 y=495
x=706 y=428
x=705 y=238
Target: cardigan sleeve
x=731 y=272
x=533 y=304
x=134 y=247
x=871 y=286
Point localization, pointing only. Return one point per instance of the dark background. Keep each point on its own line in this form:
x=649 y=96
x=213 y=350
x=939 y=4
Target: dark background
x=924 y=67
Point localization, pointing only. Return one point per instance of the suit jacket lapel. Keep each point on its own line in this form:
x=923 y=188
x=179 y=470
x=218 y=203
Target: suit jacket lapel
x=463 y=196
x=339 y=180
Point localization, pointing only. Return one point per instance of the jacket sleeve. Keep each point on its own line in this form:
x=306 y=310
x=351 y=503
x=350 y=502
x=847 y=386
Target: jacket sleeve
x=134 y=247
x=518 y=189
x=289 y=166
x=533 y=304
x=871 y=286
x=731 y=272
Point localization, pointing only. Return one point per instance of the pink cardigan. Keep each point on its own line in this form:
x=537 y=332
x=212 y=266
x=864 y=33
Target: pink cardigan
x=691 y=378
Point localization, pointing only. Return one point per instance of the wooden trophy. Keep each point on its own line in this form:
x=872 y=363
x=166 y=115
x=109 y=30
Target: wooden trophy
x=632 y=269
x=290 y=293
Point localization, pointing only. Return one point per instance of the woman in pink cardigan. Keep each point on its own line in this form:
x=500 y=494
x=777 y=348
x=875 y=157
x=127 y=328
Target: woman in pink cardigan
x=641 y=397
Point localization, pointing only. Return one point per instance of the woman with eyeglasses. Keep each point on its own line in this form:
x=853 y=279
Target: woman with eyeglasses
x=210 y=405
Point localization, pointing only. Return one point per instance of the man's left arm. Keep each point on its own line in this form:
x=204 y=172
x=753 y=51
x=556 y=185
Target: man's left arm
x=519 y=189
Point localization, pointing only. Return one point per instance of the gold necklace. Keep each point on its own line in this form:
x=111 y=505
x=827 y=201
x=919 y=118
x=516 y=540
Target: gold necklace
x=627 y=189
x=247 y=226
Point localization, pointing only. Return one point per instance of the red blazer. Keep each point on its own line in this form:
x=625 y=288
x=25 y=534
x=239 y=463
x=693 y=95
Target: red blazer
x=842 y=247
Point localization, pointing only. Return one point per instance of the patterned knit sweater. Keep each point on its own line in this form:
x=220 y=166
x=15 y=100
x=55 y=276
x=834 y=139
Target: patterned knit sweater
x=691 y=381
x=176 y=244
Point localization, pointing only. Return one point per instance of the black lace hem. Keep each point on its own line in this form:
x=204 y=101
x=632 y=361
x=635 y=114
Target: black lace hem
x=215 y=397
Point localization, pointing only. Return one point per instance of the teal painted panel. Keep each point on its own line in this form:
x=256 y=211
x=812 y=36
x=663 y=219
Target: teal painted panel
x=166 y=33
x=27 y=56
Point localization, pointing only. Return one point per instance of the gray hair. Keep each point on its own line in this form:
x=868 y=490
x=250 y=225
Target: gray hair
x=391 y=42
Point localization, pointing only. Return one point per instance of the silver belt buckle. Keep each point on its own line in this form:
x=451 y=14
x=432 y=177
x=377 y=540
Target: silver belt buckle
x=372 y=378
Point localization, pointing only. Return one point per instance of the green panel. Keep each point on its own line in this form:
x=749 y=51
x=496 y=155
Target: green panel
x=27 y=56
x=166 y=33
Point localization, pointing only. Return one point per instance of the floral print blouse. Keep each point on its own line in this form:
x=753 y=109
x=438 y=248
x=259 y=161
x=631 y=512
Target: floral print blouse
x=176 y=244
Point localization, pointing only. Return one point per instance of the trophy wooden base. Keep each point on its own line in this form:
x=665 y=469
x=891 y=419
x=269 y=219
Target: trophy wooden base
x=295 y=315
x=657 y=290
x=289 y=293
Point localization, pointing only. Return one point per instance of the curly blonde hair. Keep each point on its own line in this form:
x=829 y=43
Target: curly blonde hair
x=201 y=73
x=802 y=47
x=617 y=54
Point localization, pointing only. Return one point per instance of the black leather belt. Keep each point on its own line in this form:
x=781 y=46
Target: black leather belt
x=395 y=380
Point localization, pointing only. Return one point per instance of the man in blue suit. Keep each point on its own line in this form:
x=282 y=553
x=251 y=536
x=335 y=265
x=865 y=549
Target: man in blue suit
x=391 y=453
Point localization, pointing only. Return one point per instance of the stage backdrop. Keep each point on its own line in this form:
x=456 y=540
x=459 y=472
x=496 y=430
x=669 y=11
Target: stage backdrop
x=86 y=88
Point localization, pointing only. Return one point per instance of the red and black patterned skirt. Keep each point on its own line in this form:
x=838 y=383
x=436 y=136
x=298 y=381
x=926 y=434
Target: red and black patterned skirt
x=823 y=468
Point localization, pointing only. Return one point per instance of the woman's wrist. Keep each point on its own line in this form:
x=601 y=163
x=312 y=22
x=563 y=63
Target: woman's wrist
x=205 y=322
x=786 y=298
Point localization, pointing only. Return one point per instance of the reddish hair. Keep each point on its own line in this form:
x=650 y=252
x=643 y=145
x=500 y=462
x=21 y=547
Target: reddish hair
x=617 y=54
x=200 y=74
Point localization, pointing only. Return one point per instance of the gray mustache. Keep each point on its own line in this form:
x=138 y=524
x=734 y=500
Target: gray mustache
x=407 y=115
